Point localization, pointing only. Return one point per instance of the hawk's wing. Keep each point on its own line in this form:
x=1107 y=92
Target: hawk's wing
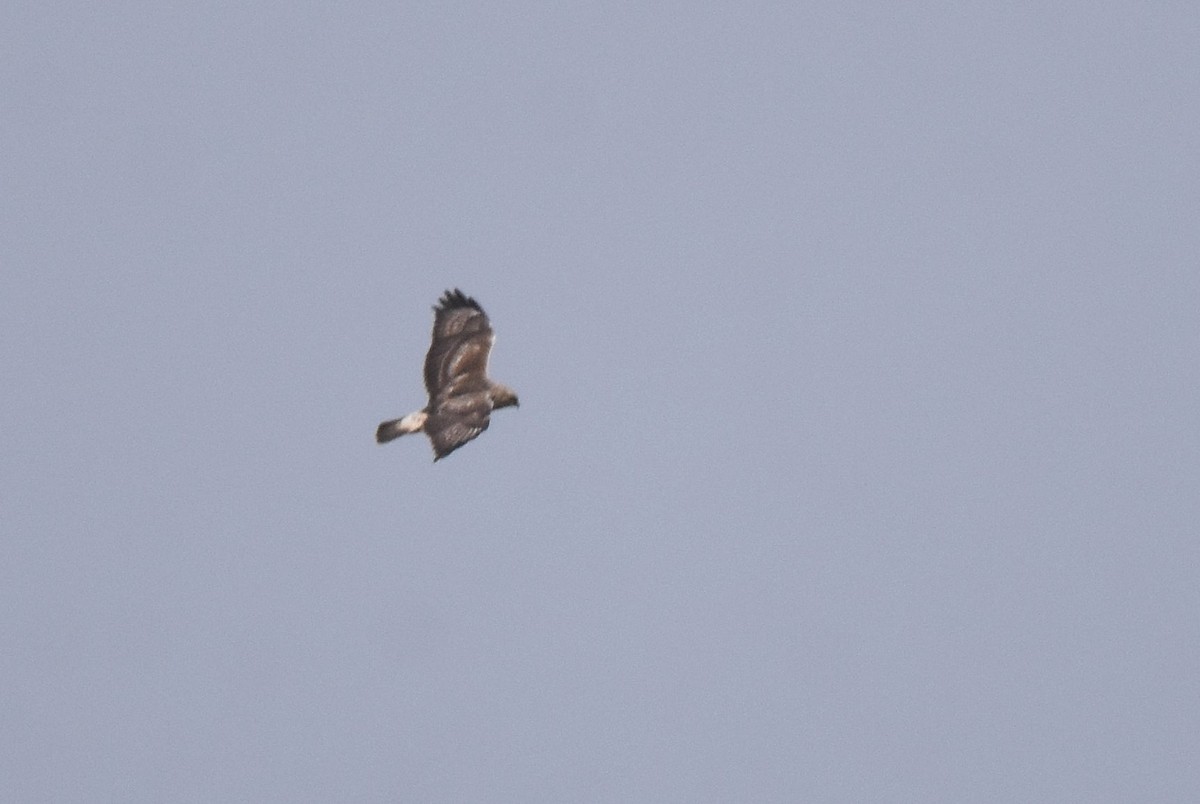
x=458 y=354
x=456 y=420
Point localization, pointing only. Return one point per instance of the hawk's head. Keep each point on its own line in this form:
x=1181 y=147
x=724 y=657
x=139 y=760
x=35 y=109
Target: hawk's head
x=504 y=397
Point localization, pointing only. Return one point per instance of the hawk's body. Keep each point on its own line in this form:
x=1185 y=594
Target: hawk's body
x=461 y=397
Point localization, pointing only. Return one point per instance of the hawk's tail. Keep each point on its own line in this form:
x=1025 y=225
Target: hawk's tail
x=395 y=428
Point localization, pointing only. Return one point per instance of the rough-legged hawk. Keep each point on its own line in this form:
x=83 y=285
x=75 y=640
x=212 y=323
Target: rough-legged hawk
x=461 y=397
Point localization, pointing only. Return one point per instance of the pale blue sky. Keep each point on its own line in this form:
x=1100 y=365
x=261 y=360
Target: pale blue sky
x=857 y=457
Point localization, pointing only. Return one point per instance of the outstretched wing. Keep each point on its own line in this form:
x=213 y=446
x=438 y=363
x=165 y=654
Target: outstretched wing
x=458 y=354
x=457 y=420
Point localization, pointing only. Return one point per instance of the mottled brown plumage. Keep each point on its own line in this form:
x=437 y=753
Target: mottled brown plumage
x=461 y=397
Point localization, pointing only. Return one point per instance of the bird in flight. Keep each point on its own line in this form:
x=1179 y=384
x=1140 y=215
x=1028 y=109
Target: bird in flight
x=461 y=397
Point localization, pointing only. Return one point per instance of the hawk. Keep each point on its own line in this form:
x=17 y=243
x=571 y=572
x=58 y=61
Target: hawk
x=461 y=397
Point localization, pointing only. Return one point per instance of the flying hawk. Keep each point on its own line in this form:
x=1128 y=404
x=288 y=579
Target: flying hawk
x=461 y=397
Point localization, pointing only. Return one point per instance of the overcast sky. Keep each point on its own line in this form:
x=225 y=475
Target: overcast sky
x=858 y=348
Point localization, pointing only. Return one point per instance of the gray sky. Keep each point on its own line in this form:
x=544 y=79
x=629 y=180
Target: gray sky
x=857 y=348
